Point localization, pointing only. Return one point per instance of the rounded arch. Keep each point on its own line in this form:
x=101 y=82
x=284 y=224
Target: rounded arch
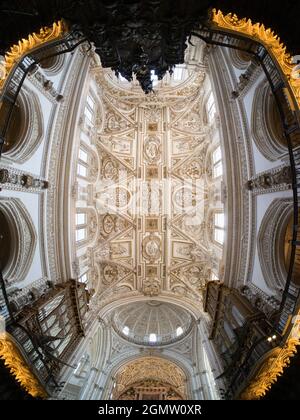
x=125 y=361
x=271 y=243
x=25 y=130
x=52 y=65
x=266 y=124
x=240 y=59
x=22 y=239
x=150 y=373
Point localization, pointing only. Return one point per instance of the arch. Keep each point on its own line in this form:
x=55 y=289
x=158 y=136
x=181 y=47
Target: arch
x=25 y=130
x=266 y=124
x=271 y=242
x=52 y=65
x=123 y=362
x=149 y=369
x=23 y=239
x=288 y=236
x=240 y=59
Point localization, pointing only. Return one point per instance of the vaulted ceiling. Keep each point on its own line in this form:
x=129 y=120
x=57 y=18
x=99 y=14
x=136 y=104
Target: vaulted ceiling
x=155 y=195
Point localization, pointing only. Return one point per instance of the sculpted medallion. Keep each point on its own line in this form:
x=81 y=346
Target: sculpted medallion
x=151 y=247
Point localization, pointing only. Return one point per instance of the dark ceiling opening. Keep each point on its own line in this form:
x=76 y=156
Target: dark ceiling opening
x=137 y=37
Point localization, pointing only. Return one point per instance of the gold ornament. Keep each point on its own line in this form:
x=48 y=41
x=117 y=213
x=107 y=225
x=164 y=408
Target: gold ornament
x=274 y=365
x=17 y=366
x=34 y=40
x=268 y=38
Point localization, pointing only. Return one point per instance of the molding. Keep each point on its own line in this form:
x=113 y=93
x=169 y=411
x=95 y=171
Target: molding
x=272 y=180
x=238 y=254
x=56 y=164
x=44 y=85
x=12 y=179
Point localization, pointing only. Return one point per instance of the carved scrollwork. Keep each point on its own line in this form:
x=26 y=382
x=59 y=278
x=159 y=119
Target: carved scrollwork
x=34 y=40
x=19 y=368
x=267 y=37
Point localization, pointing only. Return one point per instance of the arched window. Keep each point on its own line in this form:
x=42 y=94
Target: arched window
x=179 y=331
x=80 y=219
x=210 y=108
x=81 y=227
x=125 y=330
x=152 y=338
x=217 y=162
x=87 y=166
x=81 y=234
x=85 y=225
x=83 y=278
x=219 y=227
x=82 y=165
x=89 y=110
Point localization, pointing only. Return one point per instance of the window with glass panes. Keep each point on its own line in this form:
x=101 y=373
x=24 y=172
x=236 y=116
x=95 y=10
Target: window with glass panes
x=80 y=234
x=82 y=165
x=89 y=109
x=81 y=225
x=219 y=227
x=210 y=108
x=217 y=162
x=80 y=219
x=214 y=276
x=83 y=278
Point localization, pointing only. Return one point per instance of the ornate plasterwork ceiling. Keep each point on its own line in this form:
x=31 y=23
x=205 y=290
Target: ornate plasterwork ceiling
x=154 y=192
x=151 y=368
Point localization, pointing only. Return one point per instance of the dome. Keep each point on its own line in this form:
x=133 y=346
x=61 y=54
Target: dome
x=152 y=323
